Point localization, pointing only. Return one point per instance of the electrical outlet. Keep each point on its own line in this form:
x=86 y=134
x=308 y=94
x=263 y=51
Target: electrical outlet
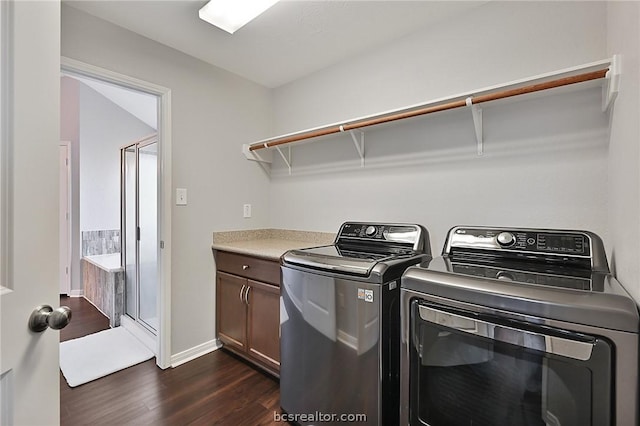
x=181 y=197
x=246 y=210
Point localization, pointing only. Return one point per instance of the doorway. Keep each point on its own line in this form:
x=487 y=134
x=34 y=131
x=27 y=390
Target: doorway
x=161 y=324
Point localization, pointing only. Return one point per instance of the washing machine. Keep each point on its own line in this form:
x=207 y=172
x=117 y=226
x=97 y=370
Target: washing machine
x=340 y=324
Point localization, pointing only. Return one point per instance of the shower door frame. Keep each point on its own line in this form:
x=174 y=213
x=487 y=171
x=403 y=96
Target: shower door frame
x=137 y=145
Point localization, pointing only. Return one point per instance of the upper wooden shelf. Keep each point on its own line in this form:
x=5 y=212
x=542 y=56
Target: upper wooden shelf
x=605 y=70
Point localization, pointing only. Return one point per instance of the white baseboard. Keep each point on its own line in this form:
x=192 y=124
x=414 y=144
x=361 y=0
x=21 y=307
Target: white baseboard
x=195 y=352
x=76 y=293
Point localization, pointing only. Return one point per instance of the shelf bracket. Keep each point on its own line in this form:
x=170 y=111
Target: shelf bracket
x=359 y=144
x=254 y=156
x=612 y=83
x=286 y=158
x=476 y=113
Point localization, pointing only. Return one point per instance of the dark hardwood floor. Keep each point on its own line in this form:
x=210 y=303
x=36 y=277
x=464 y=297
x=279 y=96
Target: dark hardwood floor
x=216 y=388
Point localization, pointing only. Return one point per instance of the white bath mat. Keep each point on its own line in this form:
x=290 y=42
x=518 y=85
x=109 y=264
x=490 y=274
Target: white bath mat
x=97 y=355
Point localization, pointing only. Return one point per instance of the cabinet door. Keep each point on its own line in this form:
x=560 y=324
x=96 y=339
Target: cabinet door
x=263 y=338
x=231 y=317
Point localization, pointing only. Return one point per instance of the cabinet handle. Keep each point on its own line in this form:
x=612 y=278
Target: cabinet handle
x=242 y=291
x=245 y=267
x=246 y=295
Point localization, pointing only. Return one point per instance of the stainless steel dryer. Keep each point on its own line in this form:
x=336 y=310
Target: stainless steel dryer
x=518 y=327
x=340 y=324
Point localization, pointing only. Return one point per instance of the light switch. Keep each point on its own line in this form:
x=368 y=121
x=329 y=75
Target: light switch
x=181 y=196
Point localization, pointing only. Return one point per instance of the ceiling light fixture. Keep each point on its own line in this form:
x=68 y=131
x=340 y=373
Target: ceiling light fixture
x=230 y=15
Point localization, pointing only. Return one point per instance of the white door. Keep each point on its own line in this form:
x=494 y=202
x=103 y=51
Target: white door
x=64 y=219
x=30 y=67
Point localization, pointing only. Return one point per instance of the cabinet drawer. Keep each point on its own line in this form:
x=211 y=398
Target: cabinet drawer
x=248 y=267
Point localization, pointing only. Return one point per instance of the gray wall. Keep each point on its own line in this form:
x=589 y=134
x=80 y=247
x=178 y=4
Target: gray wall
x=545 y=161
x=104 y=129
x=491 y=44
x=213 y=113
x=548 y=162
x=623 y=205
x=96 y=128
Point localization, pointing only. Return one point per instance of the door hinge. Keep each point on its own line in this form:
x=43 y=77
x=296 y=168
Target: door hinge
x=138 y=233
x=161 y=244
x=66 y=161
x=66 y=270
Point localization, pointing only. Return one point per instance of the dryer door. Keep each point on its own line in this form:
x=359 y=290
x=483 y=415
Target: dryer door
x=471 y=368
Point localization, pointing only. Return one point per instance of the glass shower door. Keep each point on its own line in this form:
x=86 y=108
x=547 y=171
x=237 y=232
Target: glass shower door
x=129 y=229
x=148 y=238
x=140 y=229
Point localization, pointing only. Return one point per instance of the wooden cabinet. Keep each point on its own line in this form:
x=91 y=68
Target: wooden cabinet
x=263 y=323
x=248 y=308
x=231 y=310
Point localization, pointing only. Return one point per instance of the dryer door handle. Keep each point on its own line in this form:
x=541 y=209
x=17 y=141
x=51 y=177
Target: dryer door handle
x=562 y=346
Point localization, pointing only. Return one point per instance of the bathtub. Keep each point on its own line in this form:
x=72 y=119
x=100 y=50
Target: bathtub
x=106 y=262
x=103 y=285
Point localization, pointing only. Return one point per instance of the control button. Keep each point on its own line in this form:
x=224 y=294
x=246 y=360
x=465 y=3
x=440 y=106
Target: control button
x=371 y=230
x=531 y=241
x=506 y=239
x=505 y=276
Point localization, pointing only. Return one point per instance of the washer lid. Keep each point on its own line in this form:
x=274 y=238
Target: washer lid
x=605 y=304
x=332 y=258
x=369 y=266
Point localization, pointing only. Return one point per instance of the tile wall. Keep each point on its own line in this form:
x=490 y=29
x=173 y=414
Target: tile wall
x=100 y=242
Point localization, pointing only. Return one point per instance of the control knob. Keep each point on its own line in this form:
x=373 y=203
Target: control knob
x=506 y=239
x=370 y=231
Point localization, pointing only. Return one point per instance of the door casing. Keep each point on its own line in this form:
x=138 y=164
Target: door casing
x=72 y=66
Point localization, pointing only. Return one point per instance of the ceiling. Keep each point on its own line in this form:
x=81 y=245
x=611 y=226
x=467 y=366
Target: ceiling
x=141 y=105
x=291 y=40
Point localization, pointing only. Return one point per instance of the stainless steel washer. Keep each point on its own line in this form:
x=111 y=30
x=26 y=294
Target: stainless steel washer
x=340 y=324
x=518 y=327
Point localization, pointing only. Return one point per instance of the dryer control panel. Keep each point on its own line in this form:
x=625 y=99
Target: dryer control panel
x=542 y=245
x=550 y=242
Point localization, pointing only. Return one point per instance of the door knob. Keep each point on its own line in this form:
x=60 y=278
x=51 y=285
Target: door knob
x=45 y=316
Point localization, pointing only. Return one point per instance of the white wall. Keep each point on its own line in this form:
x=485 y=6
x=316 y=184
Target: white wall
x=213 y=113
x=104 y=129
x=623 y=37
x=545 y=161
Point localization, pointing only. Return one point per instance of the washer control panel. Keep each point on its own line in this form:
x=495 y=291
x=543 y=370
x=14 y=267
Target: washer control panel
x=574 y=243
x=382 y=232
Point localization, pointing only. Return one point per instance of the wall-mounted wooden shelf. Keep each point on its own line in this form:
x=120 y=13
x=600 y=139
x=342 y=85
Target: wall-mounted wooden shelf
x=607 y=71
